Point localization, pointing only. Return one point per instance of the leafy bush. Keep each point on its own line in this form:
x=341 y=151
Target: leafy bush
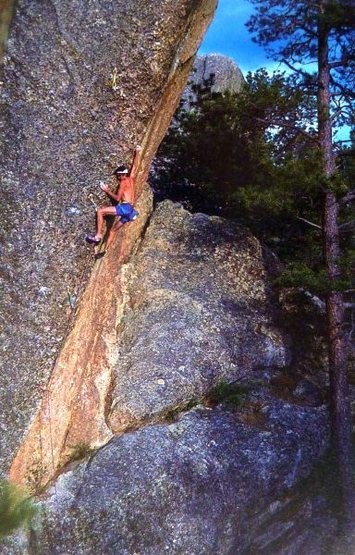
x=80 y=451
x=16 y=508
x=230 y=393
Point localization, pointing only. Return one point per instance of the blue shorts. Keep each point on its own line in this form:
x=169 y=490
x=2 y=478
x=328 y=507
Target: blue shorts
x=126 y=212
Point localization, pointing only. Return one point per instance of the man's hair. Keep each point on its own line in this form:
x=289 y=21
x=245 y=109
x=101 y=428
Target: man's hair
x=120 y=170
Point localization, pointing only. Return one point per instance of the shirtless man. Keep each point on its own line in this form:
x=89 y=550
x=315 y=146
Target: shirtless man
x=124 y=197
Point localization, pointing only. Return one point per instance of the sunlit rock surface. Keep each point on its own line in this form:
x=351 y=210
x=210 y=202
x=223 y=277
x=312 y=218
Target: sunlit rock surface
x=64 y=125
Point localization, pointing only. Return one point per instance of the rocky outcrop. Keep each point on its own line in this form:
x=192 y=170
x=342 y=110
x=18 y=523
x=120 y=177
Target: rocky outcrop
x=188 y=488
x=192 y=307
x=198 y=311
x=99 y=360
x=219 y=72
x=64 y=125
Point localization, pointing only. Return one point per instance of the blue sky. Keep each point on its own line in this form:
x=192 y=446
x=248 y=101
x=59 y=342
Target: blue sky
x=228 y=35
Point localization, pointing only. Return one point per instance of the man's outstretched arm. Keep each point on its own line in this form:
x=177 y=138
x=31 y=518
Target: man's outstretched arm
x=136 y=161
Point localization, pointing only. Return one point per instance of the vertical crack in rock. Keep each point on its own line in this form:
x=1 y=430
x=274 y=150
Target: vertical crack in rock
x=60 y=165
x=73 y=409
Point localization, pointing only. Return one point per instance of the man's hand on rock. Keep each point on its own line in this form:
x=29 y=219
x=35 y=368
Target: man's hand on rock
x=104 y=187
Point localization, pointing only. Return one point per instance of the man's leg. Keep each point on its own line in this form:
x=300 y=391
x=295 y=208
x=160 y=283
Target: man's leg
x=101 y=213
x=112 y=233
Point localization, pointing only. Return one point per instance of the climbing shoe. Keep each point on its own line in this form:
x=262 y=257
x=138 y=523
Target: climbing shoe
x=92 y=239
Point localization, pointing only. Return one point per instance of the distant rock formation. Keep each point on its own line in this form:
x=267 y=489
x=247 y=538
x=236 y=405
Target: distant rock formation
x=220 y=71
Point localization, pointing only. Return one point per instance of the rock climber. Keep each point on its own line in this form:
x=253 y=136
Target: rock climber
x=124 y=198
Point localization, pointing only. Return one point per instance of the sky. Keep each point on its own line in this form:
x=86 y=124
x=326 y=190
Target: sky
x=228 y=35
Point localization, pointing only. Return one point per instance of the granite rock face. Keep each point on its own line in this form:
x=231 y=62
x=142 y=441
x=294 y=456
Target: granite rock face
x=193 y=306
x=179 y=303
x=64 y=125
x=198 y=311
x=219 y=72
x=185 y=488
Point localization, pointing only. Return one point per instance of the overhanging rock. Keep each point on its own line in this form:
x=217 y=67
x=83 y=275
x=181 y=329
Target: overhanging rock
x=63 y=129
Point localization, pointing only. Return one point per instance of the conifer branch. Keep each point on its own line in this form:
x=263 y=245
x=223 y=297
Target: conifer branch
x=308 y=222
x=289 y=125
x=347 y=226
x=295 y=69
x=349 y=197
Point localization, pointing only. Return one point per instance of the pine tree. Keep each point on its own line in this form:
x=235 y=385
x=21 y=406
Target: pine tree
x=298 y=32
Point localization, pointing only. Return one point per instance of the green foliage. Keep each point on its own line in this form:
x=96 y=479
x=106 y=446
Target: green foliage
x=16 y=508
x=253 y=157
x=299 y=274
x=172 y=414
x=80 y=451
x=233 y=141
x=231 y=394
x=290 y=29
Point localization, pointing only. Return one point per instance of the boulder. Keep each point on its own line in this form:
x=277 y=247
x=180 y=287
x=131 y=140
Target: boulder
x=185 y=488
x=216 y=71
x=198 y=311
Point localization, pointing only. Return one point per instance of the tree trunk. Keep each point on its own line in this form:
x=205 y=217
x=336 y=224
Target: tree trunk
x=339 y=389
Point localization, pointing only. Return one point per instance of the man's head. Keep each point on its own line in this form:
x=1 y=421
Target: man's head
x=120 y=171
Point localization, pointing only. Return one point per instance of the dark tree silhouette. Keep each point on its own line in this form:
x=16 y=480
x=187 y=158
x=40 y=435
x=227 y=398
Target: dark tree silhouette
x=299 y=32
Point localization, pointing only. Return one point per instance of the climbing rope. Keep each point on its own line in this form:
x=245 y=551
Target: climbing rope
x=72 y=297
